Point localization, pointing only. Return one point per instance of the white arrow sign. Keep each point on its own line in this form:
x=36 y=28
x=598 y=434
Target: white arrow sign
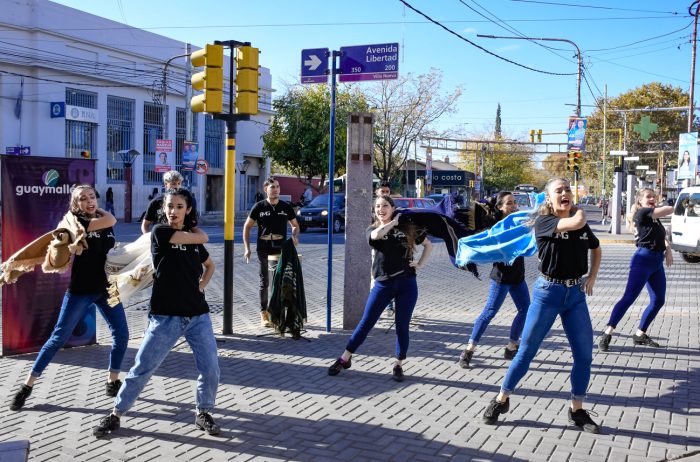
x=313 y=62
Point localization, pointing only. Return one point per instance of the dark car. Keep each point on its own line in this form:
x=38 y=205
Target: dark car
x=315 y=214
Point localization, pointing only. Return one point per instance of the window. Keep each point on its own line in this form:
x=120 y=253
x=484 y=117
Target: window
x=120 y=134
x=214 y=135
x=80 y=136
x=681 y=204
x=152 y=131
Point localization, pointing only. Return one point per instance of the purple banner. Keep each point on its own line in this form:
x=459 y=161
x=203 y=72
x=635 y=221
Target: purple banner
x=35 y=194
x=577 y=134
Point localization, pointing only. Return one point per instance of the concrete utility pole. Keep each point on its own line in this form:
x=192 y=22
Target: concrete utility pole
x=691 y=92
x=545 y=39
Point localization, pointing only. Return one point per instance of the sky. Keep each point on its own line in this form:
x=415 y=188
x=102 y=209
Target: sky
x=624 y=44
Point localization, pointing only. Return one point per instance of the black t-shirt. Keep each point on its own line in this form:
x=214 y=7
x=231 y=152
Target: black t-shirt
x=391 y=254
x=503 y=273
x=563 y=255
x=650 y=233
x=178 y=268
x=272 y=219
x=88 y=273
x=154 y=212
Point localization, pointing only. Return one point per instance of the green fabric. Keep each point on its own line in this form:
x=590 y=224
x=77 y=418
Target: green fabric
x=287 y=306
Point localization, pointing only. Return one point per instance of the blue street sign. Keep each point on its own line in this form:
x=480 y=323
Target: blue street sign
x=18 y=150
x=314 y=65
x=58 y=109
x=369 y=62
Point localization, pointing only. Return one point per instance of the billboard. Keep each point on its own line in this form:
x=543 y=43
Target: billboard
x=577 y=134
x=687 y=156
x=35 y=195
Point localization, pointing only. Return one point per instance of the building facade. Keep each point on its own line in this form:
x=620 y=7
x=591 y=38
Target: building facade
x=74 y=84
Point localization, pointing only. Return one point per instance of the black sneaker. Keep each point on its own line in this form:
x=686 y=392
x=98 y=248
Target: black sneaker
x=582 y=418
x=494 y=409
x=205 y=422
x=339 y=365
x=112 y=388
x=20 y=397
x=510 y=354
x=604 y=342
x=464 y=359
x=397 y=373
x=644 y=339
x=107 y=425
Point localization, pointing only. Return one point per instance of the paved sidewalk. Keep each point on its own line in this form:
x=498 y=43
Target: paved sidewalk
x=276 y=401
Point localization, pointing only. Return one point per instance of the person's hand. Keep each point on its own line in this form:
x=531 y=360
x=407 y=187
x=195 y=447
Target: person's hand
x=202 y=285
x=246 y=254
x=588 y=285
x=395 y=221
x=669 y=257
x=415 y=265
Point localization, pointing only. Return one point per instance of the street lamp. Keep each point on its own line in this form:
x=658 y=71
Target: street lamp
x=578 y=54
x=242 y=169
x=128 y=156
x=691 y=93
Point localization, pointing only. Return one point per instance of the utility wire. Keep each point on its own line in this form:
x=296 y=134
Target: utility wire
x=478 y=46
x=595 y=7
x=643 y=40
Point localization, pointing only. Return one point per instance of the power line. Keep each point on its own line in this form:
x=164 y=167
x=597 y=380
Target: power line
x=574 y=5
x=643 y=40
x=478 y=46
x=69 y=83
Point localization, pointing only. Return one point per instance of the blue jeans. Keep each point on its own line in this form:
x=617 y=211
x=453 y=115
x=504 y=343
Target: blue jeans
x=497 y=294
x=646 y=267
x=73 y=309
x=162 y=334
x=404 y=291
x=550 y=300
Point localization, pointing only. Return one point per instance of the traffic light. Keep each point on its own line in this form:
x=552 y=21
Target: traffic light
x=247 y=80
x=85 y=154
x=577 y=161
x=210 y=80
x=539 y=135
x=532 y=136
x=570 y=161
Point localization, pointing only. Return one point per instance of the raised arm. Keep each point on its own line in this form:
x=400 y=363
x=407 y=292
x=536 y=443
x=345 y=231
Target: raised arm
x=574 y=222
x=103 y=220
x=381 y=231
x=195 y=236
x=664 y=211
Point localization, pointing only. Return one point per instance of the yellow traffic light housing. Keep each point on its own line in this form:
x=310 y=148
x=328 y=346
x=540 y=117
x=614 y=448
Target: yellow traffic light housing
x=539 y=135
x=210 y=80
x=532 y=136
x=247 y=75
x=570 y=161
x=577 y=161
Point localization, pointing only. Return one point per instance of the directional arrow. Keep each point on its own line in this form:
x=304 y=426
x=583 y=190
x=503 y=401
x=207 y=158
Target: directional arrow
x=313 y=62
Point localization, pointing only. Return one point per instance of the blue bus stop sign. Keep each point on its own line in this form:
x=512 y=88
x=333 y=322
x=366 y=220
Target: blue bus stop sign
x=369 y=62
x=314 y=65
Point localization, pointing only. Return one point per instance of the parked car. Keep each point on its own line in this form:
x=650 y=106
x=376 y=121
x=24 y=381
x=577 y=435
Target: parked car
x=524 y=201
x=413 y=202
x=315 y=214
x=685 y=224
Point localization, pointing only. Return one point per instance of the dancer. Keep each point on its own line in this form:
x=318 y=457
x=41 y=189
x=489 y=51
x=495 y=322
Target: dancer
x=505 y=279
x=88 y=287
x=394 y=273
x=563 y=241
x=177 y=308
x=646 y=267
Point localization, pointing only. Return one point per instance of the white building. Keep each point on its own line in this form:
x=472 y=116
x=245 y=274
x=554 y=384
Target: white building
x=107 y=79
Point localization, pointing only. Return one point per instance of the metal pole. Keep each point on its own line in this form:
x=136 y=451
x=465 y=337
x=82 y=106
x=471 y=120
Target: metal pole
x=331 y=177
x=692 y=65
x=605 y=147
x=229 y=214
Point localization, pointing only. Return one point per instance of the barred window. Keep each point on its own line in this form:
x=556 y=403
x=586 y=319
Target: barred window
x=214 y=135
x=120 y=135
x=152 y=131
x=80 y=136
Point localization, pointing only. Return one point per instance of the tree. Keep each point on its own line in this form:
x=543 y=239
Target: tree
x=404 y=109
x=497 y=129
x=299 y=136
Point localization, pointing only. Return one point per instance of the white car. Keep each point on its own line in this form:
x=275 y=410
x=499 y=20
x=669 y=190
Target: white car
x=685 y=224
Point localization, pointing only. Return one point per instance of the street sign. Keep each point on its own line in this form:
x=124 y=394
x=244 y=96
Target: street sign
x=58 y=109
x=18 y=150
x=618 y=153
x=201 y=166
x=631 y=158
x=314 y=65
x=369 y=62
x=642 y=167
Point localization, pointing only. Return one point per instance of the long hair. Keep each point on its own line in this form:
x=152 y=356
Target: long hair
x=496 y=203
x=75 y=196
x=191 y=217
x=409 y=229
x=685 y=161
x=636 y=206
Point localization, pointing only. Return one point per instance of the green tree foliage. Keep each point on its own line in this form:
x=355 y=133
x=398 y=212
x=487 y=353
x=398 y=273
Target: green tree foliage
x=670 y=124
x=404 y=109
x=299 y=135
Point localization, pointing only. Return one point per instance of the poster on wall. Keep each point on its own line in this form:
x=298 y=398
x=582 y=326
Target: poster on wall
x=577 y=134
x=35 y=194
x=190 y=154
x=165 y=157
x=687 y=156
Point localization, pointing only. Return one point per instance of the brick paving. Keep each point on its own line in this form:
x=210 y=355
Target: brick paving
x=275 y=401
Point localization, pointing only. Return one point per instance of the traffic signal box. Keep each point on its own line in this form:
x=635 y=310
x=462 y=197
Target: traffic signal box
x=247 y=80
x=210 y=80
x=573 y=161
x=538 y=133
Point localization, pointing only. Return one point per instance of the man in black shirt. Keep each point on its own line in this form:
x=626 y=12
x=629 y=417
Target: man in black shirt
x=154 y=213
x=271 y=216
